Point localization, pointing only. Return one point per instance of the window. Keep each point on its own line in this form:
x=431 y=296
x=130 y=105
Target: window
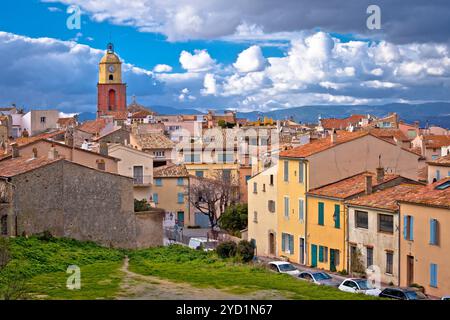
x=369 y=256
x=434 y=240
x=264 y=187
x=438 y=175
x=158 y=182
x=286 y=171
x=226 y=174
x=159 y=154
x=323 y=254
x=199 y=174
x=225 y=157
x=337 y=216
x=386 y=223
x=247 y=178
x=271 y=205
x=271 y=179
x=361 y=219
x=433 y=275
x=155 y=198
x=321 y=213
x=389 y=262
x=255 y=187
x=301 y=172
x=101 y=165
x=286 y=207
x=180 y=182
x=301 y=209
x=192 y=157
x=43 y=119
x=180 y=197
x=255 y=217
x=111 y=77
x=4 y=225
x=408 y=228
x=287 y=243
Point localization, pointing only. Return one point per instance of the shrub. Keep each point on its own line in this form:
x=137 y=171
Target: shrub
x=234 y=219
x=141 y=205
x=45 y=236
x=245 y=251
x=226 y=249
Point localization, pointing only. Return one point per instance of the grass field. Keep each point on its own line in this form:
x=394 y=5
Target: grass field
x=43 y=264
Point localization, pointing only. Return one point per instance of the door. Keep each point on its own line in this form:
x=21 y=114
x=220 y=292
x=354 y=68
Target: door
x=409 y=270
x=302 y=251
x=202 y=220
x=138 y=174
x=313 y=255
x=271 y=243
x=180 y=218
x=332 y=260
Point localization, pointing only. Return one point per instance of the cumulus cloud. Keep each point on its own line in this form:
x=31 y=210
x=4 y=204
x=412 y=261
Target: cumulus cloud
x=197 y=62
x=209 y=85
x=162 y=68
x=402 y=21
x=250 y=60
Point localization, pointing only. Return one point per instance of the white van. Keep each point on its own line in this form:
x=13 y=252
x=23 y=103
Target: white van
x=208 y=245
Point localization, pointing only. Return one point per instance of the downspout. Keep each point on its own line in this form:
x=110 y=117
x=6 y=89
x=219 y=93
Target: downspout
x=306 y=213
x=399 y=246
x=346 y=227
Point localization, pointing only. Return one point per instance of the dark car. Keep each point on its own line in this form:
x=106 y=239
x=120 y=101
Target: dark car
x=403 y=294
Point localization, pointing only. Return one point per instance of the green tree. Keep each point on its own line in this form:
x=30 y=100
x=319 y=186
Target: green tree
x=222 y=123
x=235 y=218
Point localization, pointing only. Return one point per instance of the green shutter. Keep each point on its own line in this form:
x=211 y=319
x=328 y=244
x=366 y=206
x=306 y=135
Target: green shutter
x=283 y=242
x=321 y=209
x=337 y=216
x=291 y=244
x=320 y=254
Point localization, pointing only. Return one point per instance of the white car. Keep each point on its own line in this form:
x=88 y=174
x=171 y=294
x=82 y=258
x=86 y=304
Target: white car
x=284 y=267
x=208 y=245
x=358 y=285
x=445 y=298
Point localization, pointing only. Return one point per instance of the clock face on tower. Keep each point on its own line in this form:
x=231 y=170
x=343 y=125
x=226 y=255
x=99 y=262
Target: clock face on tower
x=111 y=68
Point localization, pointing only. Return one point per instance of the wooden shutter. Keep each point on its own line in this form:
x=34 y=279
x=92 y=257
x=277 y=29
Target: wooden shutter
x=433 y=275
x=321 y=205
x=411 y=228
x=337 y=216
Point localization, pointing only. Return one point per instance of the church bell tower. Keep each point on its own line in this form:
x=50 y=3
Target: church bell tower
x=112 y=92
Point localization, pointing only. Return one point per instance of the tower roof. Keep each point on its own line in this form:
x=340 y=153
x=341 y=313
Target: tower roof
x=110 y=56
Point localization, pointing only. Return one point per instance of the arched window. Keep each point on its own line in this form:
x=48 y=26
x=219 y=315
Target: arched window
x=111 y=77
x=112 y=99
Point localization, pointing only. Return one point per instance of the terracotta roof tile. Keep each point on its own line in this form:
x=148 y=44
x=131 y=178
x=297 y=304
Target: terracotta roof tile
x=117 y=115
x=141 y=114
x=170 y=170
x=436 y=141
x=93 y=126
x=14 y=166
x=322 y=144
x=390 y=134
x=430 y=195
x=64 y=122
x=442 y=161
x=154 y=141
x=334 y=123
x=387 y=198
x=350 y=186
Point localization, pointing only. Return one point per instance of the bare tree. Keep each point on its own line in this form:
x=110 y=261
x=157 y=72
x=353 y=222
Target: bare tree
x=211 y=196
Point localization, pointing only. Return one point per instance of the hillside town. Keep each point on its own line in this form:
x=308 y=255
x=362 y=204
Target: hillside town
x=351 y=197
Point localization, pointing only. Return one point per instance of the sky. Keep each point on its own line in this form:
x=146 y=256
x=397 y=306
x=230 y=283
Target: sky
x=225 y=54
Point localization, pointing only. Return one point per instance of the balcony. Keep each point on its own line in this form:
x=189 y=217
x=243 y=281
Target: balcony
x=142 y=181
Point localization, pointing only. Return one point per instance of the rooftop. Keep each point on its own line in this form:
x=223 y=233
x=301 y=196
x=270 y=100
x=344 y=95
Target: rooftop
x=435 y=195
x=387 y=198
x=170 y=170
x=15 y=166
x=334 y=123
x=350 y=186
x=390 y=134
x=442 y=161
x=154 y=141
x=436 y=141
x=93 y=126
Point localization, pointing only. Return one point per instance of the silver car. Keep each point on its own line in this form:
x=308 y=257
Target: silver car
x=318 y=277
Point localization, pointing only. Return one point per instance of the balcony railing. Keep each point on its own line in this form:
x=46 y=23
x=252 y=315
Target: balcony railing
x=142 y=180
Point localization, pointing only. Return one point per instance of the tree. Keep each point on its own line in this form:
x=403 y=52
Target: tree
x=235 y=218
x=222 y=123
x=211 y=196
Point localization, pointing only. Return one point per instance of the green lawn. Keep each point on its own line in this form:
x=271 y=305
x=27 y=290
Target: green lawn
x=42 y=265
x=204 y=269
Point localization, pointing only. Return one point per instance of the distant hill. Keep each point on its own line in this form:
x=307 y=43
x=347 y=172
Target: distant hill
x=437 y=113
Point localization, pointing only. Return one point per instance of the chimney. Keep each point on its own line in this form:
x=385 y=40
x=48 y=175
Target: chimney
x=368 y=184
x=53 y=153
x=333 y=136
x=35 y=153
x=416 y=124
x=15 y=150
x=103 y=148
x=380 y=175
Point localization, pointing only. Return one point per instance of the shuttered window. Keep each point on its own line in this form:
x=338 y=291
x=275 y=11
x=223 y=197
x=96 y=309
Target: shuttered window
x=155 y=198
x=337 y=216
x=301 y=209
x=321 y=213
x=408 y=227
x=180 y=197
x=286 y=207
x=433 y=275
x=301 y=172
x=286 y=171
x=434 y=232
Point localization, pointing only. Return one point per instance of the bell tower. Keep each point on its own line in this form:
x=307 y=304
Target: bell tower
x=112 y=92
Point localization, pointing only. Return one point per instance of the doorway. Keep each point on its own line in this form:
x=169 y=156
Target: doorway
x=271 y=244
x=180 y=218
x=332 y=260
x=409 y=270
x=302 y=251
x=313 y=255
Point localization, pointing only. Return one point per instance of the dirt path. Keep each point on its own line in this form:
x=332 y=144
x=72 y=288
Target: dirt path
x=138 y=287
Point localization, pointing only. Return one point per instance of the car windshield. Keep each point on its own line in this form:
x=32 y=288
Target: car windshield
x=286 y=267
x=321 y=276
x=415 y=295
x=364 y=284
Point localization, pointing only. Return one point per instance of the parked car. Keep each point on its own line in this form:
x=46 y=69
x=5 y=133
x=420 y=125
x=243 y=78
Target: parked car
x=403 y=294
x=445 y=298
x=359 y=285
x=284 y=267
x=208 y=245
x=320 y=278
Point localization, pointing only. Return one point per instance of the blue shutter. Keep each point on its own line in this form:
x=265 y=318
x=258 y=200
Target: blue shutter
x=155 y=198
x=180 y=181
x=405 y=227
x=432 y=232
x=438 y=175
x=411 y=228
x=180 y=197
x=433 y=275
x=286 y=207
x=301 y=213
x=320 y=254
x=291 y=244
x=286 y=170
x=337 y=216
x=283 y=242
